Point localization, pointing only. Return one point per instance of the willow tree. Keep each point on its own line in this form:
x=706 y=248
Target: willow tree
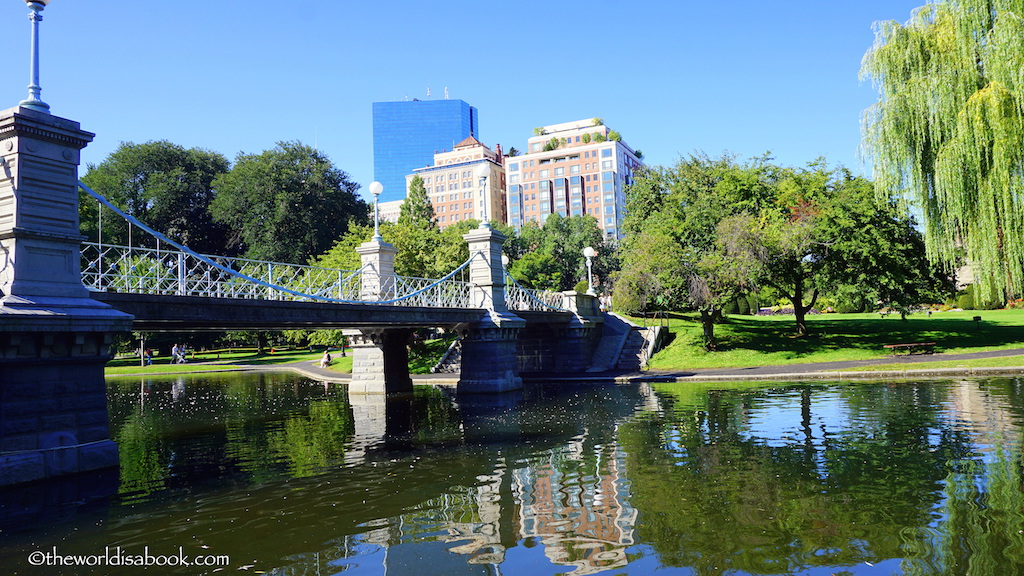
x=947 y=133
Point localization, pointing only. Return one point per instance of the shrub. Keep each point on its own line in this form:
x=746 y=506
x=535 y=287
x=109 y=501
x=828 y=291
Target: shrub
x=581 y=286
x=731 y=308
x=968 y=299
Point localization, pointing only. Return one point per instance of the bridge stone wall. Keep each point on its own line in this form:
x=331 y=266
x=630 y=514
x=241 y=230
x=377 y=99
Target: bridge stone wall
x=561 y=346
x=54 y=339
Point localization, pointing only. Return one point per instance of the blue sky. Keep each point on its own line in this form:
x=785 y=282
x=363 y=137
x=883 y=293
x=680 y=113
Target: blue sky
x=673 y=77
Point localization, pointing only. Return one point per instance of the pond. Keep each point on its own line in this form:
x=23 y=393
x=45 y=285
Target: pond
x=278 y=474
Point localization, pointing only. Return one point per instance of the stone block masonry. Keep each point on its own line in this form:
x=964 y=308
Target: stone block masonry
x=54 y=339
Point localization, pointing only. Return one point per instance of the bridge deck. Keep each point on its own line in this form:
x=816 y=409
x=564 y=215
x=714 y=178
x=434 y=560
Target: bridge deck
x=154 y=313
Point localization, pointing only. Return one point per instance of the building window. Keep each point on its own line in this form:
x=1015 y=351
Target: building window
x=513 y=178
x=559 y=171
x=513 y=167
x=536 y=147
x=544 y=173
x=606 y=164
x=606 y=153
x=606 y=176
x=574 y=169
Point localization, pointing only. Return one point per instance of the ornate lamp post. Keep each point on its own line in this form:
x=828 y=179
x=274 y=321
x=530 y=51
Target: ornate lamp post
x=35 y=16
x=482 y=172
x=589 y=253
x=376 y=188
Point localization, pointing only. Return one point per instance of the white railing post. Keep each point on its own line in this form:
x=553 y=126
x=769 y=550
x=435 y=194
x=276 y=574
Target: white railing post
x=182 y=290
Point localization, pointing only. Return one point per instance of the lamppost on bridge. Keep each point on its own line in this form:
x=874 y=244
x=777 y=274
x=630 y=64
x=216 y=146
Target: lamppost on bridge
x=589 y=253
x=376 y=188
x=482 y=172
x=35 y=16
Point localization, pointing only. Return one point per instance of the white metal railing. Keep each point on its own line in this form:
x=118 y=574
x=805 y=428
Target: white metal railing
x=182 y=272
x=107 y=268
x=522 y=299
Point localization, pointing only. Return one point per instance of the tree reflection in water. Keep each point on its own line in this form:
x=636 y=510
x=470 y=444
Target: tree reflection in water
x=883 y=472
x=855 y=478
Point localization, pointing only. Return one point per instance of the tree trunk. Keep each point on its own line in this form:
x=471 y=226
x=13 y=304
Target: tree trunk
x=799 y=310
x=707 y=320
x=261 y=341
x=801 y=316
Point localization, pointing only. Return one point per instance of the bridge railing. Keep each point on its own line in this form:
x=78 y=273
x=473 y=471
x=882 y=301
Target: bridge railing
x=519 y=298
x=109 y=268
x=183 y=272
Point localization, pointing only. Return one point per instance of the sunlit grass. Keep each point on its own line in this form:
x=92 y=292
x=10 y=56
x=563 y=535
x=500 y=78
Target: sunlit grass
x=221 y=360
x=768 y=340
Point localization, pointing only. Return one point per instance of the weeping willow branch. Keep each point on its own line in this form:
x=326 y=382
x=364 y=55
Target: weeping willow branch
x=947 y=134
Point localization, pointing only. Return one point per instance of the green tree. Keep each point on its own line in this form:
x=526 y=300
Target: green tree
x=167 y=187
x=286 y=204
x=677 y=249
x=948 y=130
x=342 y=255
x=829 y=229
x=535 y=270
x=563 y=240
x=417 y=208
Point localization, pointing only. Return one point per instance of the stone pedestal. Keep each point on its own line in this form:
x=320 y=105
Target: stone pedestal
x=378 y=276
x=576 y=342
x=54 y=339
x=489 y=360
x=380 y=361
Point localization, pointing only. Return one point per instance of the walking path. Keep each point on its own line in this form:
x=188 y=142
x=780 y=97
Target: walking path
x=916 y=366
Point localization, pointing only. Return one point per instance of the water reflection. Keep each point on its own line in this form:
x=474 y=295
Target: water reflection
x=289 y=476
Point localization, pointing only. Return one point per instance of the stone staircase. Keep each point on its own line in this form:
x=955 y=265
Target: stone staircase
x=634 y=350
x=623 y=345
x=451 y=362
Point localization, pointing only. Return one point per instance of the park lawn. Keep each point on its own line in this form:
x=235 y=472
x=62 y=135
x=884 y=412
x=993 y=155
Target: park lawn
x=768 y=340
x=220 y=360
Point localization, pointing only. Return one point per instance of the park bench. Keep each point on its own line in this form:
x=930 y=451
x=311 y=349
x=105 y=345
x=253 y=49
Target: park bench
x=910 y=347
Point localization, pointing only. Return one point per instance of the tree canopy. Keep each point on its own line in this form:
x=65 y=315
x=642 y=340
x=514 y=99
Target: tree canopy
x=948 y=130
x=706 y=231
x=166 y=186
x=417 y=208
x=286 y=204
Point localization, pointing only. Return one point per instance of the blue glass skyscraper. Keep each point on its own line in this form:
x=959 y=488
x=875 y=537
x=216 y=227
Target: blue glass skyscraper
x=406 y=135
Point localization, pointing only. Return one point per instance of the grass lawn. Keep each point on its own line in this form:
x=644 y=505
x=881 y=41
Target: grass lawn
x=218 y=360
x=768 y=340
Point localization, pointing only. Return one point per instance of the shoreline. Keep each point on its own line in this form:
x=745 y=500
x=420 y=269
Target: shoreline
x=785 y=373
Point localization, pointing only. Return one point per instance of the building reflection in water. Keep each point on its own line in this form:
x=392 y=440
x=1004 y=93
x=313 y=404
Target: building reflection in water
x=580 y=512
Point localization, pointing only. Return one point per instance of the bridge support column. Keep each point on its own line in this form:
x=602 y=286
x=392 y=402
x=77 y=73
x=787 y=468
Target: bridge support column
x=489 y=362
x=54 y=339
x=576 y=342
x=380 y=361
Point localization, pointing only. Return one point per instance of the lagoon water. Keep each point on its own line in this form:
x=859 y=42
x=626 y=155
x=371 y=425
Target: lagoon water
x=287 y=476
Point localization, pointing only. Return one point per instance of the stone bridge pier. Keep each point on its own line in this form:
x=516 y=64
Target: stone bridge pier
x=380 y=358
x=489 y=345
x=54 y=339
